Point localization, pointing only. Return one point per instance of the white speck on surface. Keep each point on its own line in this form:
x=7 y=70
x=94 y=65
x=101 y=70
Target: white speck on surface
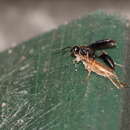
x=23 y=92
x=76 y=70
x=24 y=67
x=114 y=26
x=76 y=67
x=102 y=111
x=31 y=51
x=127 y=24
x=3 y=104
x=20 y=122
x=10 y=51
x=45 y=47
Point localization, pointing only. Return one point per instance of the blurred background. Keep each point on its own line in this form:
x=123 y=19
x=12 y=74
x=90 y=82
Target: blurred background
x=22 y=20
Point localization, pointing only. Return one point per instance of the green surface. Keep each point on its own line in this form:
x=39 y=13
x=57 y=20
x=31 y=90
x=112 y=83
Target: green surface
x=42 y=90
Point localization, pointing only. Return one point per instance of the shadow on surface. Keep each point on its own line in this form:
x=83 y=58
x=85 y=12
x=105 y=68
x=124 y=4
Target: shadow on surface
x=125 y=124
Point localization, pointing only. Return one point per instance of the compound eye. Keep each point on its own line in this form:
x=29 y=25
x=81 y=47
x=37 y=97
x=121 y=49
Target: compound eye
x=75 y=49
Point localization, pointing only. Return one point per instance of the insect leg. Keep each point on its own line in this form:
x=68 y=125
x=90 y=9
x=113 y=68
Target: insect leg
x=76 y=60
x=114 y=79
x=120 y=65
x=107 y=60
x=115 y=82
x=89 y=72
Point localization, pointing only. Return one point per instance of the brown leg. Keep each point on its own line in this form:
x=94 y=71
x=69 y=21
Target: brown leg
x=89 y=72
x=120 y=65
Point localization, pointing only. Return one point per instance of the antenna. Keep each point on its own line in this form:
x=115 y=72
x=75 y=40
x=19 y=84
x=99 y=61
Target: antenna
x=63 y=50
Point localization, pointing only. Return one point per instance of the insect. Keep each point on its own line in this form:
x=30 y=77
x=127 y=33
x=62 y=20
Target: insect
x=96 y=46
x=86 y=54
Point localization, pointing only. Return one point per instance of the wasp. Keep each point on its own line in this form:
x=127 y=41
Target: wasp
x=87 y=55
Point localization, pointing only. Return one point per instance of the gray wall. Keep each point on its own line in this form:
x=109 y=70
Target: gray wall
x=21 y=20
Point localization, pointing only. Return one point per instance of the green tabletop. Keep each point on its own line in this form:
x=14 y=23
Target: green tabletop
x=41 y=89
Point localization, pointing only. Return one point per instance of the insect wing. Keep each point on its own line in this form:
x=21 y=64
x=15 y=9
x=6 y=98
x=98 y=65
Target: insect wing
x=103 y=44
